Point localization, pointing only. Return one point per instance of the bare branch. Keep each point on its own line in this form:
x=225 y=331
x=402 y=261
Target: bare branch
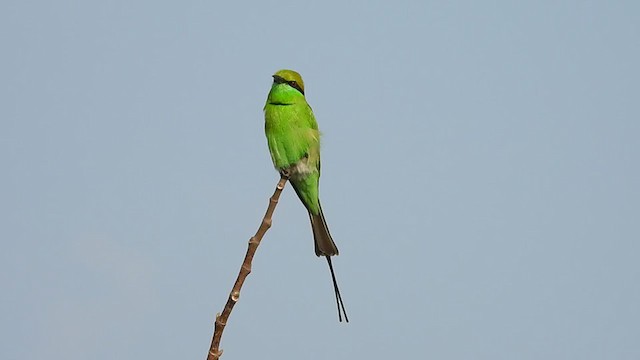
x=221 y=319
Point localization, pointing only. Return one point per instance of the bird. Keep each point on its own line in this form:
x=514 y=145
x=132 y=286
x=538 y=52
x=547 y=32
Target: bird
x=293 y=139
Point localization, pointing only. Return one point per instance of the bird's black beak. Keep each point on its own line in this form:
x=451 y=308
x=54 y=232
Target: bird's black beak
x=278 y=80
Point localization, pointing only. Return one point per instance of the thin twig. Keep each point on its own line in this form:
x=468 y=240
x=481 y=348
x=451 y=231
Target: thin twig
x=221 y=319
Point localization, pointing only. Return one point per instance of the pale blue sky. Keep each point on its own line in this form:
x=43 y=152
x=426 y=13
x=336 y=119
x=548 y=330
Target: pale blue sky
x=480 y=177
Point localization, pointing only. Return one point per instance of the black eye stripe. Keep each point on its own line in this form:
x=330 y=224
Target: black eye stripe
x=295 y=85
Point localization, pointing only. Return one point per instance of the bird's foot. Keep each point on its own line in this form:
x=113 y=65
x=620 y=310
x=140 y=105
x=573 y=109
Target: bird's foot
x=285 y=173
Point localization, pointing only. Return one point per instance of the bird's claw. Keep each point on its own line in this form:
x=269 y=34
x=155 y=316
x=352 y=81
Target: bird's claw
x=285 y=173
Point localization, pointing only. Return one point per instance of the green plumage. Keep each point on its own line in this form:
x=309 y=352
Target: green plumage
x=294 y=143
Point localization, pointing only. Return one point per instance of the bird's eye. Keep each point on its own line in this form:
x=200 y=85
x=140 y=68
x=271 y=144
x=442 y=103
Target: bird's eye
x=292 y=83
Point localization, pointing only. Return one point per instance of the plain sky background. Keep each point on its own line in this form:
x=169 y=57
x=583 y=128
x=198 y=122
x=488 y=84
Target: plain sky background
x=481 y=177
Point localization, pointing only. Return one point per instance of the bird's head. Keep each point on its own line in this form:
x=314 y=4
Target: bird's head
x=290 y=78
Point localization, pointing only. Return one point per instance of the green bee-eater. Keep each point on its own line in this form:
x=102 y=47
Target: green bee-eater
x=294 y=143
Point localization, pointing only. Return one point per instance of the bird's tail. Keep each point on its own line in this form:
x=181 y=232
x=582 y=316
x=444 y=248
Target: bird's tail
x=326 y=247
x=339 y=302
x=321 y=237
